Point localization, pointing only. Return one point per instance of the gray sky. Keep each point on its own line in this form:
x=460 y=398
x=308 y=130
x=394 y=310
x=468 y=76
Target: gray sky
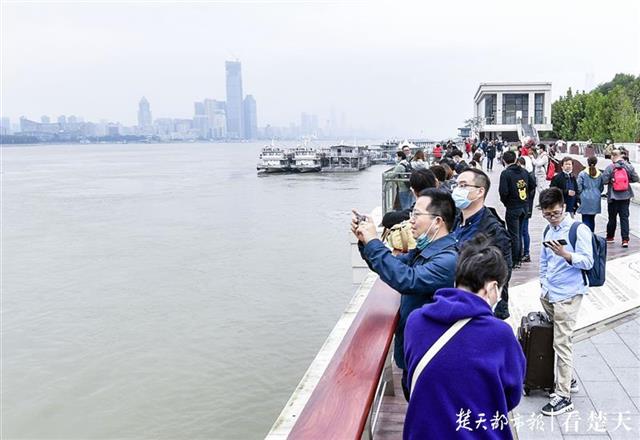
x=405 y=68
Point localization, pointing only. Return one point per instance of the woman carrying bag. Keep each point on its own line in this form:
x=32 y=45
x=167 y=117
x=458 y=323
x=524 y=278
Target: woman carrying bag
x=462 y=361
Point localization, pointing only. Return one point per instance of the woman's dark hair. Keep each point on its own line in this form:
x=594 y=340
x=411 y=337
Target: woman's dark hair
x=543 y=147
x=422 y=179
x=592 y=162
x=441 y=204
x=550 y=197
x=439 y=172
x=401 y=154
x=447 y=169
x=478 y=263
x=419 y=155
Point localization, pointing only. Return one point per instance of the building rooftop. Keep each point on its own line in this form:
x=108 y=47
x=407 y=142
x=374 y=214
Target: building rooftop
x=489 y=86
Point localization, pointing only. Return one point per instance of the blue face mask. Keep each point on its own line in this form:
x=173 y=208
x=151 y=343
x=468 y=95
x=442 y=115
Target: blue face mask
x=424 y=240
x=460 y=197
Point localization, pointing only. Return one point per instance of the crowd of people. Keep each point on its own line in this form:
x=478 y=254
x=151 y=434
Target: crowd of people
x=451 y=341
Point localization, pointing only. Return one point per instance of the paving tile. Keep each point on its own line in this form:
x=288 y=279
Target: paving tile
x=592 y=368
x=629 y=378
x=628 y=327
x=587 y=437
x=585 y=347
x=618 y=355
x=607 y=337
x=536 y=426
x=609 y=397
x=629 y=430
x=636 y=400
x=575 y=422
x=632 y=341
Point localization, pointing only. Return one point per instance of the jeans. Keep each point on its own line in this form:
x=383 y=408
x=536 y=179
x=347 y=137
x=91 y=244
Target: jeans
x=515 y=219
x=615 y=208
x=589 y=220
x=406 y=199
x=489 y=163
x=526 y=239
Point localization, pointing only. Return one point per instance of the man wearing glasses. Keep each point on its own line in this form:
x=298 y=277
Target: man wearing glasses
x=562 y=287
x=469 y=194
x=419 y=273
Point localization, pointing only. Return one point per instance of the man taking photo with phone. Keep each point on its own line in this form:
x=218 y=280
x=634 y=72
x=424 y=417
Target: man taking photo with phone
x=417 y=274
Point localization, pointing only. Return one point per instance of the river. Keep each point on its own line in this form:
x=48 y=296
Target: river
x=165 y=290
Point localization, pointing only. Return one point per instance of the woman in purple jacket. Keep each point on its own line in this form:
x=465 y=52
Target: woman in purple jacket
x=467 y=388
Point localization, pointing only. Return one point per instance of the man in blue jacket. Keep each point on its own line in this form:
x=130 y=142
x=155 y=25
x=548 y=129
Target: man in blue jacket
x=425 y=269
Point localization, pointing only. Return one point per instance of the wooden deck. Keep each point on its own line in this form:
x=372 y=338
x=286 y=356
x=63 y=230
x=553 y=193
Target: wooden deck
x=393 y=409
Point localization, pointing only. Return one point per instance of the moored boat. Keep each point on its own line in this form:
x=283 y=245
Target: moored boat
x=273 y=160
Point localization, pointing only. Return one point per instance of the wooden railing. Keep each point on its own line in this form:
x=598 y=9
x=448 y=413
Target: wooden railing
x=344 y=403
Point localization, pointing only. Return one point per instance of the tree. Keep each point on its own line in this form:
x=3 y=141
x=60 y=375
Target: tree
x=597 y=116
x=625 y=124
x=474 y=124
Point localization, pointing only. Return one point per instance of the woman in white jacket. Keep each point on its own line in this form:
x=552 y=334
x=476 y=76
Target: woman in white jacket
x=541 y=164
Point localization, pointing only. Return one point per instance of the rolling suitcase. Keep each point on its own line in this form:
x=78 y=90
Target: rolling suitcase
x=536 y=338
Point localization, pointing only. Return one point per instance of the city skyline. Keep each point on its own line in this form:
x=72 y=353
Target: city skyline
x=401 y=69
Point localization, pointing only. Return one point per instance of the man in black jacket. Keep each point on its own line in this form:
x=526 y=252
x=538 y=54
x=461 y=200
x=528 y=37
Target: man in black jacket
x=475 y=218
x=566 y=182
x=514 y=195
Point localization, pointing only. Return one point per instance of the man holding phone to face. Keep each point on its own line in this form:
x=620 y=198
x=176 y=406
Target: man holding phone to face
x=419 y=273
x=563 y=286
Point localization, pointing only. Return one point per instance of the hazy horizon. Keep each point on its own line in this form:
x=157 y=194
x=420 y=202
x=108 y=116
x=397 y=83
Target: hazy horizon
x=403 y=69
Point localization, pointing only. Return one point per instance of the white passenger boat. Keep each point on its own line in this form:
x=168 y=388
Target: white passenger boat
x=273 y=160
x=305 y=160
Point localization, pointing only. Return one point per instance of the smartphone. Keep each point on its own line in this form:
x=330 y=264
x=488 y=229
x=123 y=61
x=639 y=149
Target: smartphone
x=562 y=241
x=360 y=218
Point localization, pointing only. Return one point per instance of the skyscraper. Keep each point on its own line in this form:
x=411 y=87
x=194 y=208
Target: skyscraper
x=144 y=113
x=250 y=118
x=201 y=120
x=217 y=113
x=235 y=126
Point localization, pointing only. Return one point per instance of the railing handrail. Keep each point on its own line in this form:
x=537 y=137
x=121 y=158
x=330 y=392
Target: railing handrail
x=341 y=403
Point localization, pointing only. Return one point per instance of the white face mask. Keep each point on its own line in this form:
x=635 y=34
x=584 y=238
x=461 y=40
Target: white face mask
x=498 y=296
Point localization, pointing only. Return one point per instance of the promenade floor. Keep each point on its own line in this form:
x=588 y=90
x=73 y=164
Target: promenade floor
x=607 y=364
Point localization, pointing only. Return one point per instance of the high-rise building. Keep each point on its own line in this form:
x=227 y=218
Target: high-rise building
x=5 y=126
x=144 y=114
x=45 y=119
x=201 y=120
x=250 y=118
x=235 y=126
x=62 y=119
x=217 y=113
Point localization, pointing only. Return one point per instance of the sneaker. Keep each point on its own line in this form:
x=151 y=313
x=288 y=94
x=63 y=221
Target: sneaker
x=526 y=259
x=574 y=386
x=557 y=405
x=609 y=240
x=625 y=243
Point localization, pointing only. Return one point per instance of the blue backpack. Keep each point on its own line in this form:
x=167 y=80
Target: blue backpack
x=596 y=275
